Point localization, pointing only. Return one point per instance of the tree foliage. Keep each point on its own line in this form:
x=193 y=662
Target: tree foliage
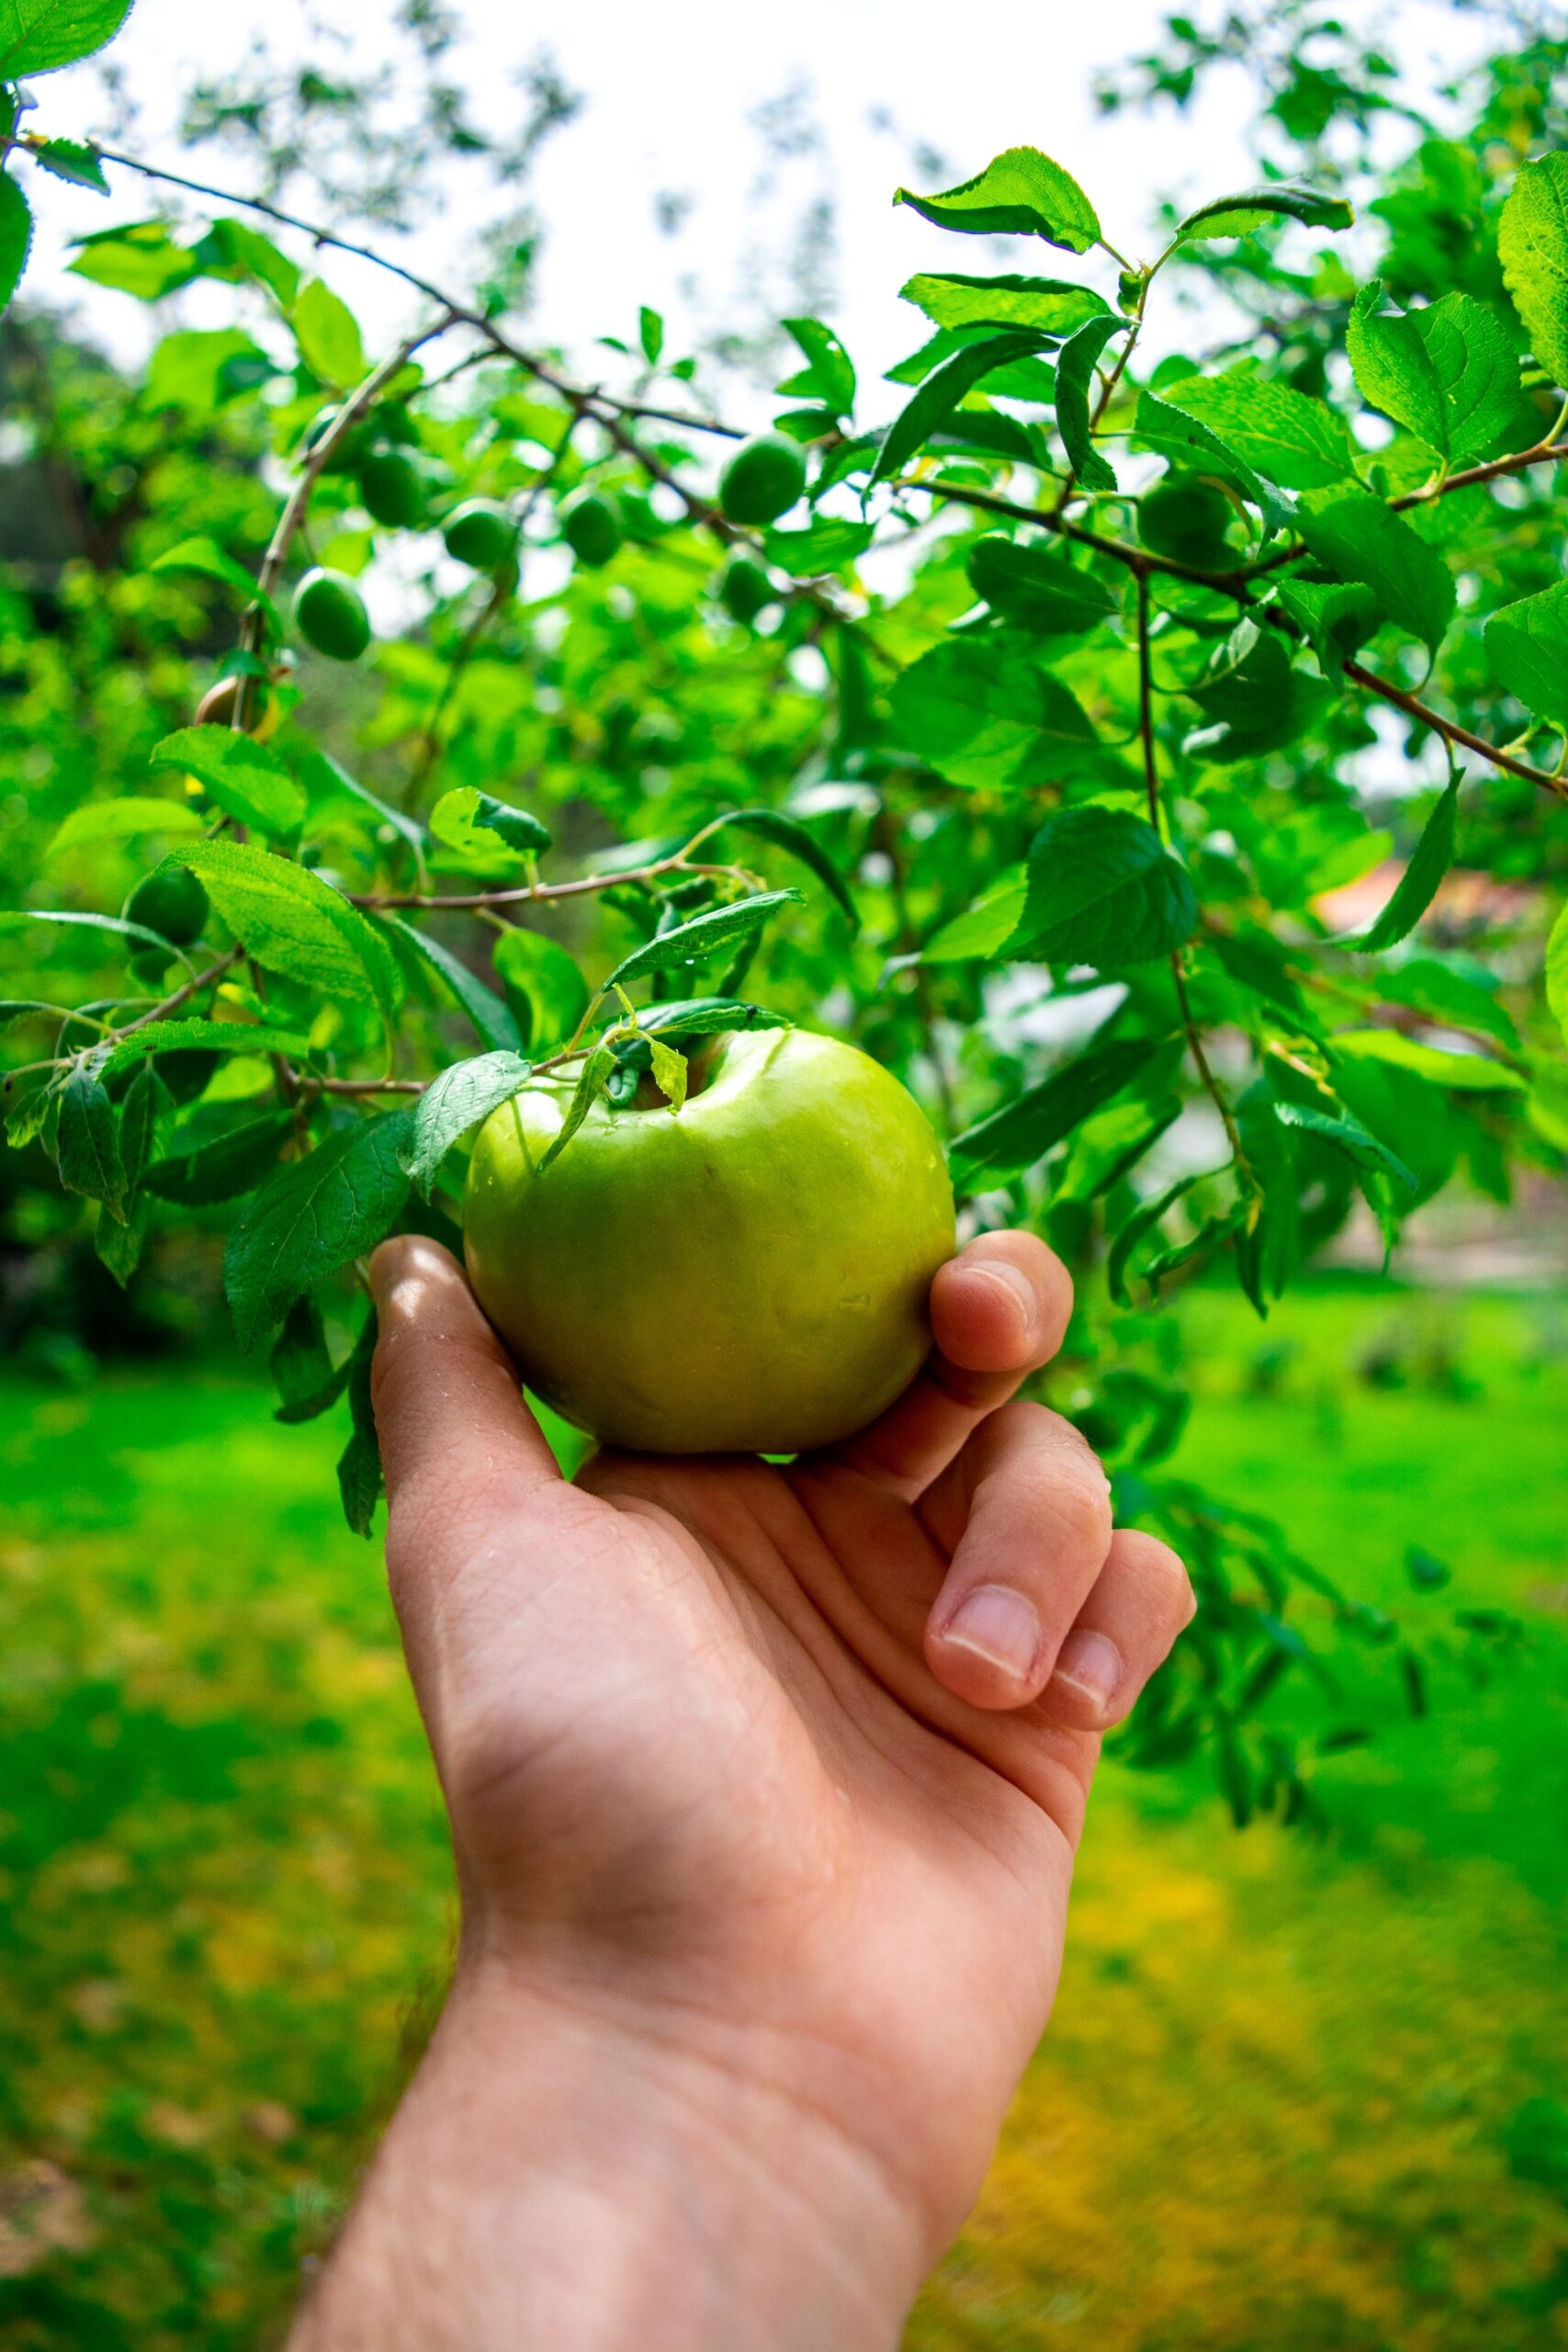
x=1024 y=746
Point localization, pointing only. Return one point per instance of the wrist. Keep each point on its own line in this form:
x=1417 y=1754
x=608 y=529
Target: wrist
x=583 y=2169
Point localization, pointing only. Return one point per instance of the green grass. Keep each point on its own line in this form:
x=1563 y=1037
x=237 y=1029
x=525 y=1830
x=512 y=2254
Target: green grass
x=1304 y=2094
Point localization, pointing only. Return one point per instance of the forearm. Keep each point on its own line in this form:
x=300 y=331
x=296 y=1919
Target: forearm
x=555 y=2179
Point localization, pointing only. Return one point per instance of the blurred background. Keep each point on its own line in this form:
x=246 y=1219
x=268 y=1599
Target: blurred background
x=1307 y=2089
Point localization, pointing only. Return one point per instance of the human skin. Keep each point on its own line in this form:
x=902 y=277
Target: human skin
x=764 y=1786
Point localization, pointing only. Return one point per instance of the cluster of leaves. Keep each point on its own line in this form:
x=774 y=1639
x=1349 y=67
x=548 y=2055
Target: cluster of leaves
x=1071 y=796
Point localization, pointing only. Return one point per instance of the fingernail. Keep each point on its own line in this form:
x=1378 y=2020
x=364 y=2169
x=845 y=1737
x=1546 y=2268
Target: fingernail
x=1017 y=1286
x=999 y=1625
x=1091 y=1665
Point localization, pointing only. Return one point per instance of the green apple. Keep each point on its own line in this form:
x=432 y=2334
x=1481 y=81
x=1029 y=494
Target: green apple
x=748 y=1275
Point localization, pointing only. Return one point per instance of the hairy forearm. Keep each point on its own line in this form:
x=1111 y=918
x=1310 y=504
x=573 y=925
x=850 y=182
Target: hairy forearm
x=557 y=2177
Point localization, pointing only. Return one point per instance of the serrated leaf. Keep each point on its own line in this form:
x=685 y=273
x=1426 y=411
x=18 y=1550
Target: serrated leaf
x=1417 y=887
x=1024 y=1130
x=984 y=713
x=705 y=1016
x=1468 y=1073
x=326 y=780
x=1102 y=891
x=12 y=918
x=1256 y=699
x=40 y=36
x=205 y=1037
x=1237 y=215
x=222 y=1169
x=829 y=374
x=124 y=819
x=1447 y=372
x=593 y=1078
x=706 y=934
x=1282 y=434
x=1533 y=243
x=197 y=369
x=232 y=249
x=1527 y=644
x=544 y=984
x=119 y=1246
x=1358 y=538
x=16 y=234
x=1037 y=589
x=328 y=335
x=1347 y=1134
x=788 y=833
x=1174 y=432
x=492 y=1018
x=669 y=1071
x=293 y=923
x=1076 y=365
x=312 y=1217
x=72 y=159
x=934 y=403
x=1020 y=193
x=302 y=1370
x=247 y=780
x=1048 y=306
x=204 y=555
x=1336 y=616
x=984 y=929
x=89 y=1147
x=1143 y=1220
x=464 y=820
x=455 y=1101
x=1557 y=971
x=359 y=1465
x=143 y=1116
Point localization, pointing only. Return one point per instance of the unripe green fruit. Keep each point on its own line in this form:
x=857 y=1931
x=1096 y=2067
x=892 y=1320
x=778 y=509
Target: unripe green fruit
x=591 y=528
x=745 y=590
x=393 y=489
x=762 y=480
x=329 y=613
x=481 y=532
x=173 y=904
x=748 y=1277
x=1185 y=517
x=263 y=713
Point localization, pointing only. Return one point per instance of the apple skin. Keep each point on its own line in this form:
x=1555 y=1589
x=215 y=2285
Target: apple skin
x=748 y=1277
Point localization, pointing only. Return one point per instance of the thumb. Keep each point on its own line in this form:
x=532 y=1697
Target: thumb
x=458 y=1444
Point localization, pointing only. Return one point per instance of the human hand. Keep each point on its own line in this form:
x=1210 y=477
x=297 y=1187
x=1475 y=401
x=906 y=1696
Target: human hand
x=764 y=1787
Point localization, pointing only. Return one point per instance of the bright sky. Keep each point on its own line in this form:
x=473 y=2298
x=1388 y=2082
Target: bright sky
x=670 y=93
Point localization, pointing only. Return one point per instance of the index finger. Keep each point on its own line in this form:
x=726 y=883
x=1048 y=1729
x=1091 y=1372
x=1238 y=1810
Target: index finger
x=998 y=1311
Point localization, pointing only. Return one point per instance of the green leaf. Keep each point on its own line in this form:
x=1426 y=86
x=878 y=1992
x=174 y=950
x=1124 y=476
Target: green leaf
x=1417 y=887
x=651 y=334
x=1020 y=193
x=1337 y=617
x=1186 y=441
x=141 y=259
x=1102 y=891
x=984 y=929
x=303 y=1373
x=1447 y=372
x=1143 y=1220
x=460 y=821
x=788 y=833
x=1557 y=971
x=89 y=1147
x=1347 y=1133
x=1470 y=1073
x=40 y=36
x=293 y=923
x=312 y=1217
x=829 y=544
x=940 y=394
x=16 y=234
x=492 y=1019
x=1255 y=698
x=1024 y=1130
x=593 y=1078
x=205 y=1037
x=1237 y=215
x=1048 y=306
x=669 y=1071
x=544 y=985
x=197 y=369
x=1074 y=374
x=72 y=159
x=1037 y=589
x=455 y=1102
x=326 y=781
x=230 y=1163
x=206 y=556
x=1449 y=998
x=705 y=1016
x=12 y=918
x=1282 y=434
x=983 y=712
x=1527 y=646
x=246 y=779
x=146 y=1110
x=115 y=820
x=829 y=374
x=328 y=335
x=706 y=934
x=359 y=1465
x=1360 y=539
x=1533 y=243
x=232 y=249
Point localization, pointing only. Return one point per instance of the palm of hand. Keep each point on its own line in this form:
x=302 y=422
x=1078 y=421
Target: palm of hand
x=701 y=1720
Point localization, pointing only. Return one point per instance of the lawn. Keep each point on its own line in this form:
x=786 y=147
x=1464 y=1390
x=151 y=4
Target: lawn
x=1305 y=2093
